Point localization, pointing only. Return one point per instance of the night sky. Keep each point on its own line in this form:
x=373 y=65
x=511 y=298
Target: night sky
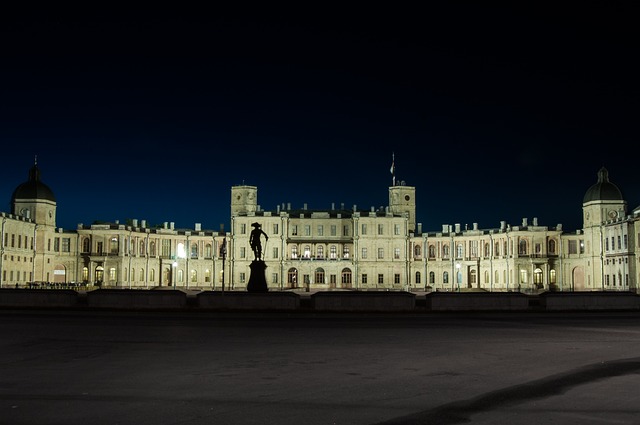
x=492 y=113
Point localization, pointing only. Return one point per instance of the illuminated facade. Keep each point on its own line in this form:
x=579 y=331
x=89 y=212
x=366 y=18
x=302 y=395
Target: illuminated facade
x=337 y=248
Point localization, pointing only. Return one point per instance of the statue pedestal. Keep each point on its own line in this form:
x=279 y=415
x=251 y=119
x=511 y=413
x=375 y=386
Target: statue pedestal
x=257 y=280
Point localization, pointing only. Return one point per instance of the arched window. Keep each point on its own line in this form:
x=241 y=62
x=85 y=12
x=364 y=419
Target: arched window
x=345 y=251
x=552 y=246
x=445 y=251
x=142 y=243
x=194 y=250
x=132 y=246
x=307 y=251
x=487 y=247
x=432 y=251
x=552 y=276
x=486 y=276
x=445 y=277
x=113 y=245
x=432 y=278
x=152 y=249
x=152 y=275
x=496 y=249
x=141 y=275
x=320 y=251
x=208 y=250
x=522 y=247
x=333 y=252
x=459 y=250
x=418 y=278
x=292 y=277
x=294 y=251
x=194 y=276
x=207 y=274
x=86 y=245
x=346 y=276
x=417 y=250
x=319 y=276
x=537 y=276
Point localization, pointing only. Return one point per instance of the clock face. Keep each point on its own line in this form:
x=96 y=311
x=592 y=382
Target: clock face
x=613 y=214
x=407 y=197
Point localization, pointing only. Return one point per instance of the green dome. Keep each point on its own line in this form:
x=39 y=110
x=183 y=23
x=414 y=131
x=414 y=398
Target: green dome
x=33 y=188
x=604 y=190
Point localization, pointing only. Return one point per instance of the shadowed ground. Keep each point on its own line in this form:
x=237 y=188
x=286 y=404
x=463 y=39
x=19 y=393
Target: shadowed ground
x=245 y=368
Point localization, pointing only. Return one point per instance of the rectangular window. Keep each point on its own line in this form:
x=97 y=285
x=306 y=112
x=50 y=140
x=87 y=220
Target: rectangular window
x=334 y=230
x=20 y=241
x=573 y=247
x=275 y=229
x=274 y=277
x=363 y=230
x=380 y=229
x=364 y=278
x=581 y=246
x=307 y=230
x=619 y=243
x=275 y=252
x=606 y=244
x=243 y=252
x=243 y=228
x=396 y=229
x=320 y=230
x=396 y=278
x=56 y=244
x=396 y=253
x=345 y=230
x=381 y=279
x=625 y=241
x=364 y=253
x=333 y=279
x=66 y=244
x=294 y=230
x=380 y=253
x=242 y=277
x=166 y=248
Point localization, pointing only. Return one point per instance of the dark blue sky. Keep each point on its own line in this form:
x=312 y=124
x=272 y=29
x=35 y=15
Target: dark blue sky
x=493 y=113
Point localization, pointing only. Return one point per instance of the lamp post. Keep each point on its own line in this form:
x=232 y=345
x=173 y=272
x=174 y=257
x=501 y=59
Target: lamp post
x=224 y=257
x=458 y=276
x=173 y=276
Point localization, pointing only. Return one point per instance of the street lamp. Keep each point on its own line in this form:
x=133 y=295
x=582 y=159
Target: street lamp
x=458 y=275
x=173 y=278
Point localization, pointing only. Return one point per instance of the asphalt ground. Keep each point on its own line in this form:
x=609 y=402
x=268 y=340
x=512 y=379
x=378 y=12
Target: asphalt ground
x=99 y=367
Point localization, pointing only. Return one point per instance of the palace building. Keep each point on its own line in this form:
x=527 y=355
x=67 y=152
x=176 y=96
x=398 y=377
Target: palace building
x=338 y=248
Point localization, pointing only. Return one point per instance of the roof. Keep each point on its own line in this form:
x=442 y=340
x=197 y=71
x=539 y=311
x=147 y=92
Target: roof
x=603 y=190
x=33 y=188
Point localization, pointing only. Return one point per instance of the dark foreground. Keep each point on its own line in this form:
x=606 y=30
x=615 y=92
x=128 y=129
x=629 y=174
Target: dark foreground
x=83 y=367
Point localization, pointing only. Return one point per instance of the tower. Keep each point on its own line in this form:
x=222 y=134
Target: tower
x=35 y=200
x=402 y=199
x=244 y=200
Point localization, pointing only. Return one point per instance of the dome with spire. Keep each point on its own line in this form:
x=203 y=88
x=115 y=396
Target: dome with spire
x=603 y=190
x=33 y=188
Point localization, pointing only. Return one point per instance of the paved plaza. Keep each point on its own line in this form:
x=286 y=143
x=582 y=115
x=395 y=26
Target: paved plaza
x=102 y=367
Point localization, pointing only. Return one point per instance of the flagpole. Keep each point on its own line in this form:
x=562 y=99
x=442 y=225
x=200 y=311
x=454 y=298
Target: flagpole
x=393 y=168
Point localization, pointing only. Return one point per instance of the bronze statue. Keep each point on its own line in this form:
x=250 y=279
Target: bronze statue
x=254 y=240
